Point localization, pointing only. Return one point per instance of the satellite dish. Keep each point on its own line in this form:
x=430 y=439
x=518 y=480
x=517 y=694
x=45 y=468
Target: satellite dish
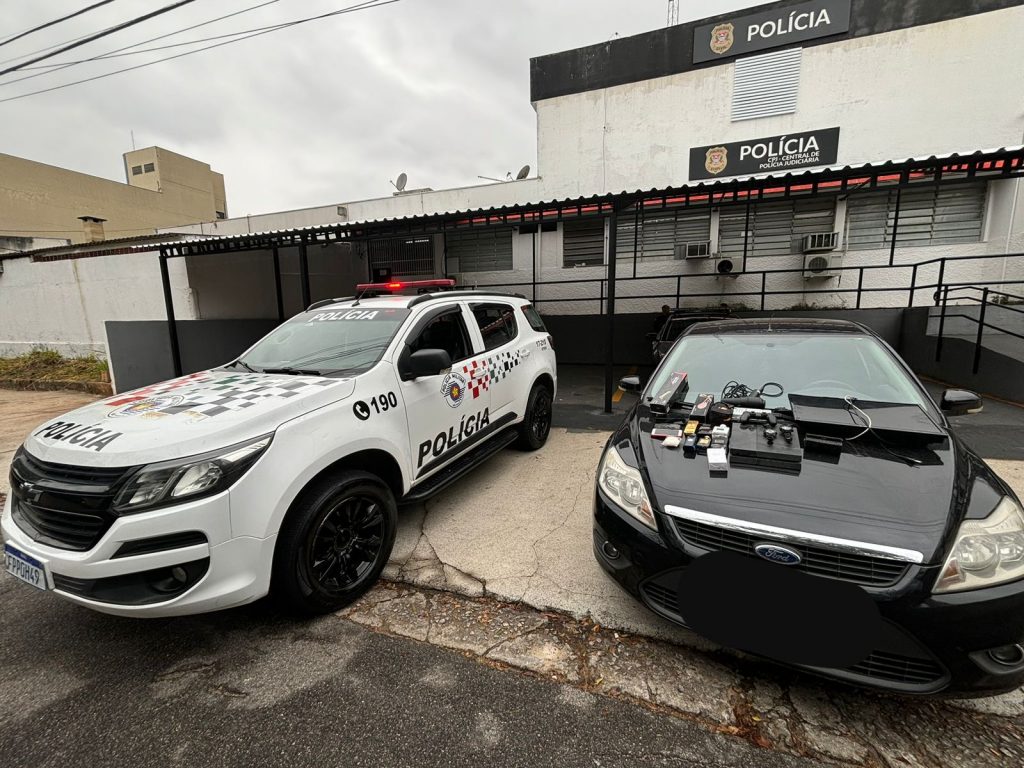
x=403 y=180
x=523 y=173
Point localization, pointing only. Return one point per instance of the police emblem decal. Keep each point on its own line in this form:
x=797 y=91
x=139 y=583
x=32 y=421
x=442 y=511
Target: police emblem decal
x=717 y=160
x=722 y=38
x=453 y=388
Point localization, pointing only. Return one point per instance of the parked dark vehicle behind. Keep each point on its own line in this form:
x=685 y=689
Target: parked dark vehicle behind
x=674 y=326
x=827 y=516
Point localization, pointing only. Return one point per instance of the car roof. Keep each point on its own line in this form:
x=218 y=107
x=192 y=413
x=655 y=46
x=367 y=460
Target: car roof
x=397 y=301
x=781 y=325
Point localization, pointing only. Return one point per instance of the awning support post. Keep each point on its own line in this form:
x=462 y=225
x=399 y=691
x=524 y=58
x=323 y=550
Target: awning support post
x=609 y=353
x=277 y=285
x=172 y=323
x=304 y=275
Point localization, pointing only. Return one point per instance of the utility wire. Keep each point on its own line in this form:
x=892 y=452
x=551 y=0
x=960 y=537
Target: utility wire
x=98 y=35
x=54 y=22
x=350 y=9
x=117 y=52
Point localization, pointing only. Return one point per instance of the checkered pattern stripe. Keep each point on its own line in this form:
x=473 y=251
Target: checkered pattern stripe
x=230 y=393
x=480 y=374
x=501 y=364
x=478 y=379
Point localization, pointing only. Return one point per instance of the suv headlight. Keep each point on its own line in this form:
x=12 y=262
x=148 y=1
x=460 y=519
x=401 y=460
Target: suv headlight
x=170 y=482
x=625 y=487
x=986 y=552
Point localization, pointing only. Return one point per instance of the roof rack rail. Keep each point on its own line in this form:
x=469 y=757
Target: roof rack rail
x=463 y=293
x=325 y=302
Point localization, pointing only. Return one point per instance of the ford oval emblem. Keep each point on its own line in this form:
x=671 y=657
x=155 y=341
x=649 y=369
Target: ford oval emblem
x=778 y=554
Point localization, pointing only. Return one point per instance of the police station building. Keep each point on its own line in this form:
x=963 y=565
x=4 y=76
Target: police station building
x=806 y=137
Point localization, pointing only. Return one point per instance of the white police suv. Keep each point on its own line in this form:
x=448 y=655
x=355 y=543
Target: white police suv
x=282 y=471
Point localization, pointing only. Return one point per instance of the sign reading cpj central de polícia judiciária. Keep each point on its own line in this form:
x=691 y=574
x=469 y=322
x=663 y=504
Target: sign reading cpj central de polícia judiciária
x=774 y=153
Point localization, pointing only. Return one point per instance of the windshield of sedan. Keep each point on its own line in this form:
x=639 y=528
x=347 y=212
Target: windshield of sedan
x=823 y=365
x=327 y=342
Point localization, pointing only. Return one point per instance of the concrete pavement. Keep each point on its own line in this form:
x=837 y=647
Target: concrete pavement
x=252 y=688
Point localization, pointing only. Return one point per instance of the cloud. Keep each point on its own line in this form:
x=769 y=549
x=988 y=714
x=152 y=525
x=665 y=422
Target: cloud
x=318 y=114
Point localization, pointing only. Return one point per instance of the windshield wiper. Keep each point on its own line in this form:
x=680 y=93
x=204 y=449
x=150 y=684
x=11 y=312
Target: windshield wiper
x=244 y=365
x=292 y=371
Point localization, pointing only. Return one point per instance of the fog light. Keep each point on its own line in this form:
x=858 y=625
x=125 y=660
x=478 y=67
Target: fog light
x=610 y=551
x=179 y=575
x=1007 y=655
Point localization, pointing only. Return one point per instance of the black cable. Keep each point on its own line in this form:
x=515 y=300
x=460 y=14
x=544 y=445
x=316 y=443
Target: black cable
x=350 y=9
x=98 y=35
x=117 y=52
x=54 y=22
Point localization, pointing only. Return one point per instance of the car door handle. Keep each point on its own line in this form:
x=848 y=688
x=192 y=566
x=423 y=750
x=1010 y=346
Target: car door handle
x=525 y=353
x=478 y=373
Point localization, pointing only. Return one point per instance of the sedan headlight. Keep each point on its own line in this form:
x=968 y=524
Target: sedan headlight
x=986 y=552
x=170 y=482
x=625 y=487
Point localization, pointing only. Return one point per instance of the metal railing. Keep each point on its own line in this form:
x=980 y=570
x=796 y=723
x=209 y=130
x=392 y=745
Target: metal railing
x=912 y=288
x=984 y=301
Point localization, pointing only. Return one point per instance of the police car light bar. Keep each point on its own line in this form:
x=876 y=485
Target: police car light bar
x=399 y=286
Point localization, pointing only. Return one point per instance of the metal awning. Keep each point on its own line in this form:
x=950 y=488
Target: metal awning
x=1007 y=162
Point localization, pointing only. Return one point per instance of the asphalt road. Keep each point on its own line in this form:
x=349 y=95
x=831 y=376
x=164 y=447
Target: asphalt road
x=249 y=687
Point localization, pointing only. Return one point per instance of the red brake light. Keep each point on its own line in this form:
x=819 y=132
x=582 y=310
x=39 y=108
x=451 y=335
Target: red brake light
x=394 y=286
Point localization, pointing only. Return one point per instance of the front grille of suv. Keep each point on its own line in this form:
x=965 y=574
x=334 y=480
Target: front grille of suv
x=63 y=506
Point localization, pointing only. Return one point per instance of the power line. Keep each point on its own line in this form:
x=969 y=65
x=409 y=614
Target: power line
x=117 y=52
x=350 y=9
x=54 y=22
x=98 y=35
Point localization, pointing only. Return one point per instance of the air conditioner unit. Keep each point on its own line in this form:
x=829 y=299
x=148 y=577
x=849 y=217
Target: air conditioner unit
x=821 y=265
x=821 y=242
x=701 y=249
x=729 y=266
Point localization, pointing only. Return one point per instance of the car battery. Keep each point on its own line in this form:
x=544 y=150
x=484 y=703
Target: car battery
x=757 y=446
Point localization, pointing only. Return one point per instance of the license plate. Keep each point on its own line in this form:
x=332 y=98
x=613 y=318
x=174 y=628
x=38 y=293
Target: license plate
x=24 y=567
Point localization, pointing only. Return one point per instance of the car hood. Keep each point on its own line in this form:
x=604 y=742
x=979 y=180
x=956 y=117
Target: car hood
x=182 y=417
x=868 y=496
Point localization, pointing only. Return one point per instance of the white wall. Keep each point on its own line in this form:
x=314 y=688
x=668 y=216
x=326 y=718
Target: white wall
x=925 y=90
x=62 y=305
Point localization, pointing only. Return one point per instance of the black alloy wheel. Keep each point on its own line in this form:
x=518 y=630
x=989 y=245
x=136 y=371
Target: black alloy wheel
x=536 y=427
x=334 y=543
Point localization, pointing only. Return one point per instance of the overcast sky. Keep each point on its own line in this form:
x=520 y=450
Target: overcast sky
x=318 y=114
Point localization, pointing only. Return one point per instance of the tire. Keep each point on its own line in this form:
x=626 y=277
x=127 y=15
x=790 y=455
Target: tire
x=334 y=543
x=536 y=426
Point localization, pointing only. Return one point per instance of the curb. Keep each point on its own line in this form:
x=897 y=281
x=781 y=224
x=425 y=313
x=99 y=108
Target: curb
x=41 y=385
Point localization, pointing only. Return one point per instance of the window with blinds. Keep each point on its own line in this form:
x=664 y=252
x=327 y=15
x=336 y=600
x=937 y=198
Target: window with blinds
x=656 y=234
x=766 y=85
x=583 y=243
x=403 y=255
x=928 y=216
x=777 y=227
x=481 y=250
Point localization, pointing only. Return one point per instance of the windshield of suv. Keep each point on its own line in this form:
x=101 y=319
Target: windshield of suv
x=824 y=365
x=348 y=340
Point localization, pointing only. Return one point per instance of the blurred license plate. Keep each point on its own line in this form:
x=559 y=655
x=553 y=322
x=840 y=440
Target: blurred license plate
x=24 y=567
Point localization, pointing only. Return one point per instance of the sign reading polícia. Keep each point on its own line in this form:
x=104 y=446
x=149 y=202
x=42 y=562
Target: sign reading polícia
x=770 y=29
x=768 y=155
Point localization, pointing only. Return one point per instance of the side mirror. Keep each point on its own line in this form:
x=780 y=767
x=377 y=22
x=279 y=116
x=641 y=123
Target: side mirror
x=959 y=402
x=425 y=362
x=631 y=384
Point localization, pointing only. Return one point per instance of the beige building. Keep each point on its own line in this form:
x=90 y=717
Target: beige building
x=163 y=189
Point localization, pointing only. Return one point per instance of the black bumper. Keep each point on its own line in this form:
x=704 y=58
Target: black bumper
x=930 y=643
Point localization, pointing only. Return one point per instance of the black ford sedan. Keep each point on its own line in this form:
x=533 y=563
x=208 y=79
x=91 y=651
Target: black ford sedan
x=789 y=488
